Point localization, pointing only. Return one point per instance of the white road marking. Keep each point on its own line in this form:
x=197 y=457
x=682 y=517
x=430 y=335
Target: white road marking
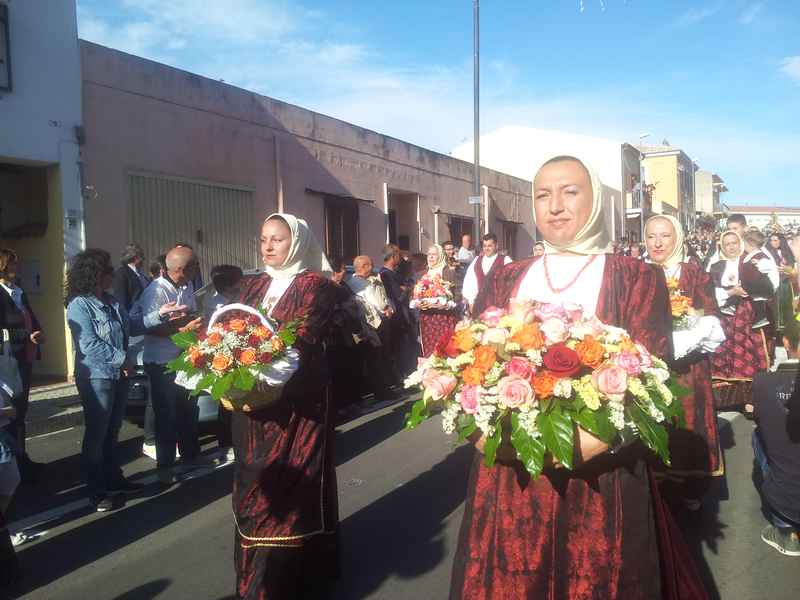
x=31 y=525
x=42 y=435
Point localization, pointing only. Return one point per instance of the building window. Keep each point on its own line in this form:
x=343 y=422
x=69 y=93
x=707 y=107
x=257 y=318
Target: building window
x=509 y=239
x=341 y=227
x=458 y=226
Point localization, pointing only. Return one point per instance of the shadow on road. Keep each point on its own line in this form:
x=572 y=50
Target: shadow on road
x=401 y=534
x=146 y=591
x=353 y=442
x=96 y=539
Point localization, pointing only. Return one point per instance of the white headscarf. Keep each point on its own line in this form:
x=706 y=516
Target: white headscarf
x=678 y=254
x=440 y=263
x=305 y=252
x=593 y=237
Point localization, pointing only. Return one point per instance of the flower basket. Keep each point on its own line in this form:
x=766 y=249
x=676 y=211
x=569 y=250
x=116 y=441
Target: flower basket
x=243 y=363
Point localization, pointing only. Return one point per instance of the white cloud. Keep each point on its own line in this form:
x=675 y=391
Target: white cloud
x=750 y=13
x=791 y=67
x=697 y=14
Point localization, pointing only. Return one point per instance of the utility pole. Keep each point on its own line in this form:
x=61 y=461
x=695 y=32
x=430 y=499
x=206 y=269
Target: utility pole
x=476 y=177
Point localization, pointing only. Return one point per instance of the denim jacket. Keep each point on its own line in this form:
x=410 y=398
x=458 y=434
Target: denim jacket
x=100 y=332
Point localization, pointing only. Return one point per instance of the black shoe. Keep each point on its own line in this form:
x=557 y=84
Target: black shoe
x=125 y=486
x=104 y=503
x=30 y=471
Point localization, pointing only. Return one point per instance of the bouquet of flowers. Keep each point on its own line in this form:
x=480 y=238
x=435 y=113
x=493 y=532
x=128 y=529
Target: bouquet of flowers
x=432 y=291
x=242 y=361
x=684 y=316
x=535 y=371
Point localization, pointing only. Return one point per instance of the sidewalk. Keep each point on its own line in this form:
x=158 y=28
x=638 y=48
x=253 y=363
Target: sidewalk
x=52 y=408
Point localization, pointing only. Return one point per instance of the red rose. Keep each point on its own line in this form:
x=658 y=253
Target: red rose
x=452 y=349
x=254 y=341
x=265 y=357
x=253 y=320
x=441 y=346
x=561 y=361
x=202 y=335
x=237 y=352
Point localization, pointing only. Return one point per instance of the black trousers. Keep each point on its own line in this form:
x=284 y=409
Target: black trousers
x=20 y=402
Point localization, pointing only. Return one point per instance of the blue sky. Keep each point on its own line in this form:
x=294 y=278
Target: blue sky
x=718 y=78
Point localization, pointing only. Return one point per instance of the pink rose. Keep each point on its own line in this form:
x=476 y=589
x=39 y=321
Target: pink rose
x=494 y=337
x=469 y=397
x=547 y=311
x=491 y=316
x=554 y=330
x=438 y=383
x=520 y=366
x=573 y=311
x=645 y=360
x=630 y=362
x=611 y=381
x=514 y=391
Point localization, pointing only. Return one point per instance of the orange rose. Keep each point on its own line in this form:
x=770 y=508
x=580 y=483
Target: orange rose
x=277 y=344
x=464 y=339
x=472 y=376
x=529 y=337
x=590 y=351
x=543 y=384
x=247 y=356
x=195 y=356
x=214 y=338
x=673 y=283
x=680 y=305
x=221 y=362
x=262 y=332
x=237 y=325
x=484 y=358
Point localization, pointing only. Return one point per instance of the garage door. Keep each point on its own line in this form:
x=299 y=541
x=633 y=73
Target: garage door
x=217 y=220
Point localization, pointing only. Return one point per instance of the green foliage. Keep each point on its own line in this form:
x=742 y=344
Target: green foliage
x=530 y=450
x=417 y=415
x=221 y=386
x=243 y=379
x=557 y=434
x=491 y=445
x=652 y=434
x=596 y=422
x=465 y=426
x=184 y=339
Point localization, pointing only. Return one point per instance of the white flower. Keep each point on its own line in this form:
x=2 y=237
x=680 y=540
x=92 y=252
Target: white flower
x=659 y=374
x=554 y=330
x=535 y=356
x=636 y=388
x=414 y=379
x=494 y=375
x=460 y=361
x=527 y=420
x=616 y=414
x=563 y=388
x=613 y=334
x=666 y=394
x=513 y=347
x=449 y=416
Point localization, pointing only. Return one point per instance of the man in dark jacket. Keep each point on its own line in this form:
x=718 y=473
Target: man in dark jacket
x=130 y=278
x=776 y=445
x=400 y=322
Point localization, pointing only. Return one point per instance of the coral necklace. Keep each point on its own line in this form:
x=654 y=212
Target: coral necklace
x=556 y=290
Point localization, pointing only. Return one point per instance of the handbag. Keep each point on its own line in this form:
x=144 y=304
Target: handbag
x=10 y=378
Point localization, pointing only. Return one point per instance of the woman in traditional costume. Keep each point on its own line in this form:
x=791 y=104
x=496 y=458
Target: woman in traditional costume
x=284 y=490
x=745 y=351
x=694 y=451
x=785 y=323
x=601 y=530
x=436 y=320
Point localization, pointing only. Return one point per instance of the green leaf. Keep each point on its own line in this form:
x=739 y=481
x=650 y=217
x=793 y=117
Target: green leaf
x=557 y=434
x=596 y=422
x=530 y=450
x=205 y=382
x=652 y=434
x=244 y=380
x=465 y=426
x=417 y=414
x=177 y=364
x=678 y=391
x=491 y=445
x=184 y=339
x=221 y=386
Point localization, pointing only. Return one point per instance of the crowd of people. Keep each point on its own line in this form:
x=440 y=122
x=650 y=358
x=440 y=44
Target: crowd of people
x=362 y=330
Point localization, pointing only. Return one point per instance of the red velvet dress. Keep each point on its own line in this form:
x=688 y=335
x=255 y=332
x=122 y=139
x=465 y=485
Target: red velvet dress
x=434 y=324
x=600 y=531
x=695 y=450
x=284 y=489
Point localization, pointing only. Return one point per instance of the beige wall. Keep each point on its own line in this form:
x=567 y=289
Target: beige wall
x=45 y=254
x=663 y=172
x=144 y=116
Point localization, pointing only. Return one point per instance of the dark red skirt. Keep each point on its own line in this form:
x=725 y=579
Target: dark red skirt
x=600 y=532
x=433 y=325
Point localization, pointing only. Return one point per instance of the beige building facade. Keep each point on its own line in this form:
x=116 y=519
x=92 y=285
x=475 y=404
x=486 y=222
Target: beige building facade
x=171 y=156
x=670 y=174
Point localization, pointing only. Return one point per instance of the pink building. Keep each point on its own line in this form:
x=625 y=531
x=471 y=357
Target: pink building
x=173 y=156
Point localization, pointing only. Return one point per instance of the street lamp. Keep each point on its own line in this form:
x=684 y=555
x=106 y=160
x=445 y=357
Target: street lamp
x=642 y=136
x=476 y=175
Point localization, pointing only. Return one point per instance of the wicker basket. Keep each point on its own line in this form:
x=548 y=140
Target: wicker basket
x=262 y=395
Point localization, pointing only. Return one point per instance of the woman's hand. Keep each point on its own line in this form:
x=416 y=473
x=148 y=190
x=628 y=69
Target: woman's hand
x=192 y=325
x=737 y=290
x=37 y=337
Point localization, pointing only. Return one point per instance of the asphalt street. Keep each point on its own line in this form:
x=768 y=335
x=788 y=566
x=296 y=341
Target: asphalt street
x=401 y=500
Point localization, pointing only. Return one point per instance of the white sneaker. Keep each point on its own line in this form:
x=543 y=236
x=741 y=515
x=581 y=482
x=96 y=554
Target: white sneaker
x=149 y=450
x=19 y=538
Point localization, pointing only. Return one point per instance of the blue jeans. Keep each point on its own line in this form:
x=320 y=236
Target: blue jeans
x=103 y=403
x=763 y=462
x=176 y=416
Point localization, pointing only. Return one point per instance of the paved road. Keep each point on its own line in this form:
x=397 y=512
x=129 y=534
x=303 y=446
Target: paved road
x=401 y=496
